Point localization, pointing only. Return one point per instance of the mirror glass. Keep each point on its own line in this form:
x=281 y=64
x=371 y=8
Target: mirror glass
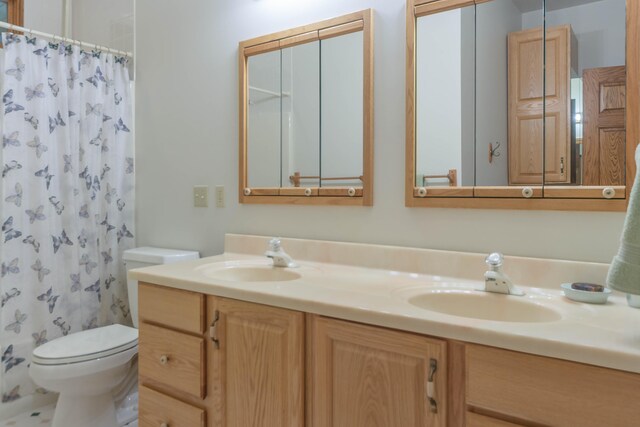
x=263 y=127
x=585 y=84
x=509 y=93
x=342 y=74
x=445 y=46
x=521 y=93
x=301 y=114
x=305 y=114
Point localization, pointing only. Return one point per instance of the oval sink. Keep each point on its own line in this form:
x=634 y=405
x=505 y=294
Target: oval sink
x=484 y=305
x=242 y=273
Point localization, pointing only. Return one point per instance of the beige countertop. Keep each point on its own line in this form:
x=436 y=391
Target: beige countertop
x=605 y=335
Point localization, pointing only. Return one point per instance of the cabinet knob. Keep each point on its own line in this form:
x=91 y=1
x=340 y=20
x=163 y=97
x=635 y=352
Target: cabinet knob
x=422 y=192
x=307 y=192
x=164 y=359
x=164 y=425
x=351 y=191
x=247 y=191
x=527 y=192
x=608 y=193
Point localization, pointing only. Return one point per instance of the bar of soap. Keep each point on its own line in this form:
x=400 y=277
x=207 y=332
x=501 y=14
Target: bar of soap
x=589 y=287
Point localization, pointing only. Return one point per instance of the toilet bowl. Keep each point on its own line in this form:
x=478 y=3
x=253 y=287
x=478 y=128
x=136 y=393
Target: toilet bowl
x=84 y=368
x=90 y=369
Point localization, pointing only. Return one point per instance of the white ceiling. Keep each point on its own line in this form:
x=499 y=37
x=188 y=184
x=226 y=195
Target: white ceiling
x=530 y=5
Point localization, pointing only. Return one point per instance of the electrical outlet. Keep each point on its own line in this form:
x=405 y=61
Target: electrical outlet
x=201 y=196
x=220 y=196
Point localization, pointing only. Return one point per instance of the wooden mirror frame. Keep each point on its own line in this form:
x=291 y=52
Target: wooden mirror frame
x=313 y=195
x=541 y=197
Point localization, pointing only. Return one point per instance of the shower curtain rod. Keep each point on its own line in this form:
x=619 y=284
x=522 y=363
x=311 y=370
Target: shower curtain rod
x=55 y=38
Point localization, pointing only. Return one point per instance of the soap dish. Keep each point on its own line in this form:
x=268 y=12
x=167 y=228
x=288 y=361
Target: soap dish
x=585 y=296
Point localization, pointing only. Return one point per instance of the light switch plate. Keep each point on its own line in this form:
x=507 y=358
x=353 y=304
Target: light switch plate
x=220 y=196
x=201 y=196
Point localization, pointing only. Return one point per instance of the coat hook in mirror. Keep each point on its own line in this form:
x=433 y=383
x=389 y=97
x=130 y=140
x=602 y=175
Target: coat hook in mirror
x=493 y=152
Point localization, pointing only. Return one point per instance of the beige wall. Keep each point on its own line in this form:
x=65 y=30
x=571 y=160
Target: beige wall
x=107 y=23
x=44 y=15
x=187 y=134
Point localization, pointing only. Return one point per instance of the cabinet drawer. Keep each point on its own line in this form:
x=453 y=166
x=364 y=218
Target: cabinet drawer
x=172 y=358
x=157 y=409
x=173 y=308
x=548 y=391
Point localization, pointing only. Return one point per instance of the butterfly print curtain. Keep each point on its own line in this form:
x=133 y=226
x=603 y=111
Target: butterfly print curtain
x=67 y=198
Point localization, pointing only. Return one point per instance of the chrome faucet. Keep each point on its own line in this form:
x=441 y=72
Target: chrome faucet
x=278 y=255
x=495 y=280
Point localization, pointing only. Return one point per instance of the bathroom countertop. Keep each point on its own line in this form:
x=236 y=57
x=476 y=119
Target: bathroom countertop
x=603 y=335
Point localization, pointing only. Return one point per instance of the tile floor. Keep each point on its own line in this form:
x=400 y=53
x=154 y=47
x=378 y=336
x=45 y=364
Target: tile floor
x=39 y=418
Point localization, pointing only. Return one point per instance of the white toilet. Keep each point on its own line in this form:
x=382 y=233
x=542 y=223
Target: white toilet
x=90 y=369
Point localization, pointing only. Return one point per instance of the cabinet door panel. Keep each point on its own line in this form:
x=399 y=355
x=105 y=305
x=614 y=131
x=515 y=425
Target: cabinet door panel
x=258 y=368
x=363 y=376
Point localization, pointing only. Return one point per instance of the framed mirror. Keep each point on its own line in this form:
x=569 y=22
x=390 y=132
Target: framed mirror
x=521 y=104
x=306 y=114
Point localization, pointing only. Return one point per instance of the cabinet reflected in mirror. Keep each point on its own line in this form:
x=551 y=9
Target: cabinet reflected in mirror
x=306 y=114
x=518 y=98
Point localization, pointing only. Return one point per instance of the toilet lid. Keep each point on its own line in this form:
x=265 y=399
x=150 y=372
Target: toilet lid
x=86 y=345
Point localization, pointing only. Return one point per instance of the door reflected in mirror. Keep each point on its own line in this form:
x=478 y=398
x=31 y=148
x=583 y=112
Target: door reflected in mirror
x=521 y=93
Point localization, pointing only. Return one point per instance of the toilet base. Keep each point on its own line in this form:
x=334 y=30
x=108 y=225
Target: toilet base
x=83 y=411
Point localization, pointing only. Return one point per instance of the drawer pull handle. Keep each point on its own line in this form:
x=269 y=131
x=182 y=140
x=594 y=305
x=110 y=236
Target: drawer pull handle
x=164 y=359
x=213 y=330
x=431 y=386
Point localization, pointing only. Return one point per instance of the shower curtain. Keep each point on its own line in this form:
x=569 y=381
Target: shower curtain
x=67 y=198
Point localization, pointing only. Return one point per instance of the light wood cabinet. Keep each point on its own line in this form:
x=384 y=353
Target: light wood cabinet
x=157 y=409
x=524 y=389
x=246 y=369
x=531 y=113
x=257 y=365
x=362 y=376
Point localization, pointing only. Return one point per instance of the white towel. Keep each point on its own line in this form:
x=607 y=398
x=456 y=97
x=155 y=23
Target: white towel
x=624 y=273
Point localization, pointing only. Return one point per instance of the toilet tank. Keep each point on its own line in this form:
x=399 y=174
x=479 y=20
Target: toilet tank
x=146 y=257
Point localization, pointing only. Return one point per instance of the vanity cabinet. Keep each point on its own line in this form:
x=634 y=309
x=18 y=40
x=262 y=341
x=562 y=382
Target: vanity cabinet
x=207 y=361
x=245 y=368
x=363 y=375
x=523 y=389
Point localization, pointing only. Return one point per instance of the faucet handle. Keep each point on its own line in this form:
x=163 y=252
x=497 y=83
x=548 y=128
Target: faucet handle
x=274 y=244
x=494 y=260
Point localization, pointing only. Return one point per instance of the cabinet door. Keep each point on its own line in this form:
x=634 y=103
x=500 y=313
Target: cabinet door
x=257 y=369
x=365 y=376
x=531 y=114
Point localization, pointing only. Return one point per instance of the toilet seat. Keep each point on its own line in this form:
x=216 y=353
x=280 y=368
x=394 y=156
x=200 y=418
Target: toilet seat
x=92 y=344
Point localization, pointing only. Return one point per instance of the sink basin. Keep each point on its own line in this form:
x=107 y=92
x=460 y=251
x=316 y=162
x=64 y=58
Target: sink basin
x=484 y=305
x=256 y=273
